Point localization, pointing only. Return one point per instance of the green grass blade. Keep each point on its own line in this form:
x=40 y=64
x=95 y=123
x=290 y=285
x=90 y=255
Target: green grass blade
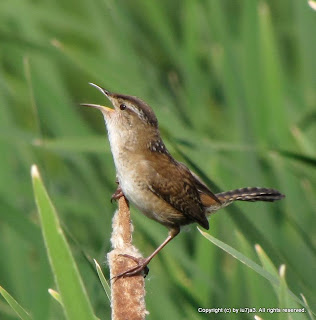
x=56 y=296
x=75 y=300
x=282 y=291
x=239 y=256
x=105 y=284
x=299 y=157
x=93 y=144
x=311 y=317
x=14 y=305
x=283 y=297
x=252 y=265
x=266 y=262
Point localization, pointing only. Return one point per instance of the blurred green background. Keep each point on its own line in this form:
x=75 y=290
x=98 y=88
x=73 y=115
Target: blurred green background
x=233 y=86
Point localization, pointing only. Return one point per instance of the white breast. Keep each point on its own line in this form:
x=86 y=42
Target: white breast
x=126 y=164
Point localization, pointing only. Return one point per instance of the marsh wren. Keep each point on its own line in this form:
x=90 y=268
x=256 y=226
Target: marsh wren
x=162 y=188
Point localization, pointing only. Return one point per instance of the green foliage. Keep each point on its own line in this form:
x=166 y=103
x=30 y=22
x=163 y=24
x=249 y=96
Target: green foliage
x=233 y=86
x=14 y=305
x=73 y=296
x=268 y=272
x=106 y=286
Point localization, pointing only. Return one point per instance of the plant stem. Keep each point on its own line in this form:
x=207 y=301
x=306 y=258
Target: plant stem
x=127 y=293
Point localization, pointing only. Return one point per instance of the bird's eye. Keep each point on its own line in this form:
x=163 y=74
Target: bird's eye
x=122 y=106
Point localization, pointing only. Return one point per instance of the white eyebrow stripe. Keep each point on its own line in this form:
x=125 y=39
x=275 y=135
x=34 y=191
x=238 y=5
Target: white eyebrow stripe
x=139 y=112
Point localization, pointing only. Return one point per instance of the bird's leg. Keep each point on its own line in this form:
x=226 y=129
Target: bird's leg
x=143 y=262
x=118 y=193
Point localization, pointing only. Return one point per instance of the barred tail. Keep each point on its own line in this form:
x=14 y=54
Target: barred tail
x=249 y=194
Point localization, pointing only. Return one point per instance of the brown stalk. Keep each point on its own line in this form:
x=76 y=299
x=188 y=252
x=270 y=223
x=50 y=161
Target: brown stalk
x=127 y=293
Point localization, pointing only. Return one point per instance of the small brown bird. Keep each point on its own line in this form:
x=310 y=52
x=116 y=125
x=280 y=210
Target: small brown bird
x=162 y=188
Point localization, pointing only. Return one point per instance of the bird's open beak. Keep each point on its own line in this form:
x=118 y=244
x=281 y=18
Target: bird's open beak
x=97 y=106
x=104 y=91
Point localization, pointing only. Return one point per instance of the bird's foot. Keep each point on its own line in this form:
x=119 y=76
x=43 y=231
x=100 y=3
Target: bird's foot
x=141 y=266
x=117 y=194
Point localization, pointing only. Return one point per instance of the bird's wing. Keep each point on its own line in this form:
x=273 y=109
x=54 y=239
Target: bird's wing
x=208 y=198
x=174 y=183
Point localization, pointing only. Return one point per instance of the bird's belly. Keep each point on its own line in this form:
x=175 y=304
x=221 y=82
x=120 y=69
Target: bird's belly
x=131 y=173
x=137 y=192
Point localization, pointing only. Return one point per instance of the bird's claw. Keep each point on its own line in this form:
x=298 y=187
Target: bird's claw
x=141 y=266
x=117 y=194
